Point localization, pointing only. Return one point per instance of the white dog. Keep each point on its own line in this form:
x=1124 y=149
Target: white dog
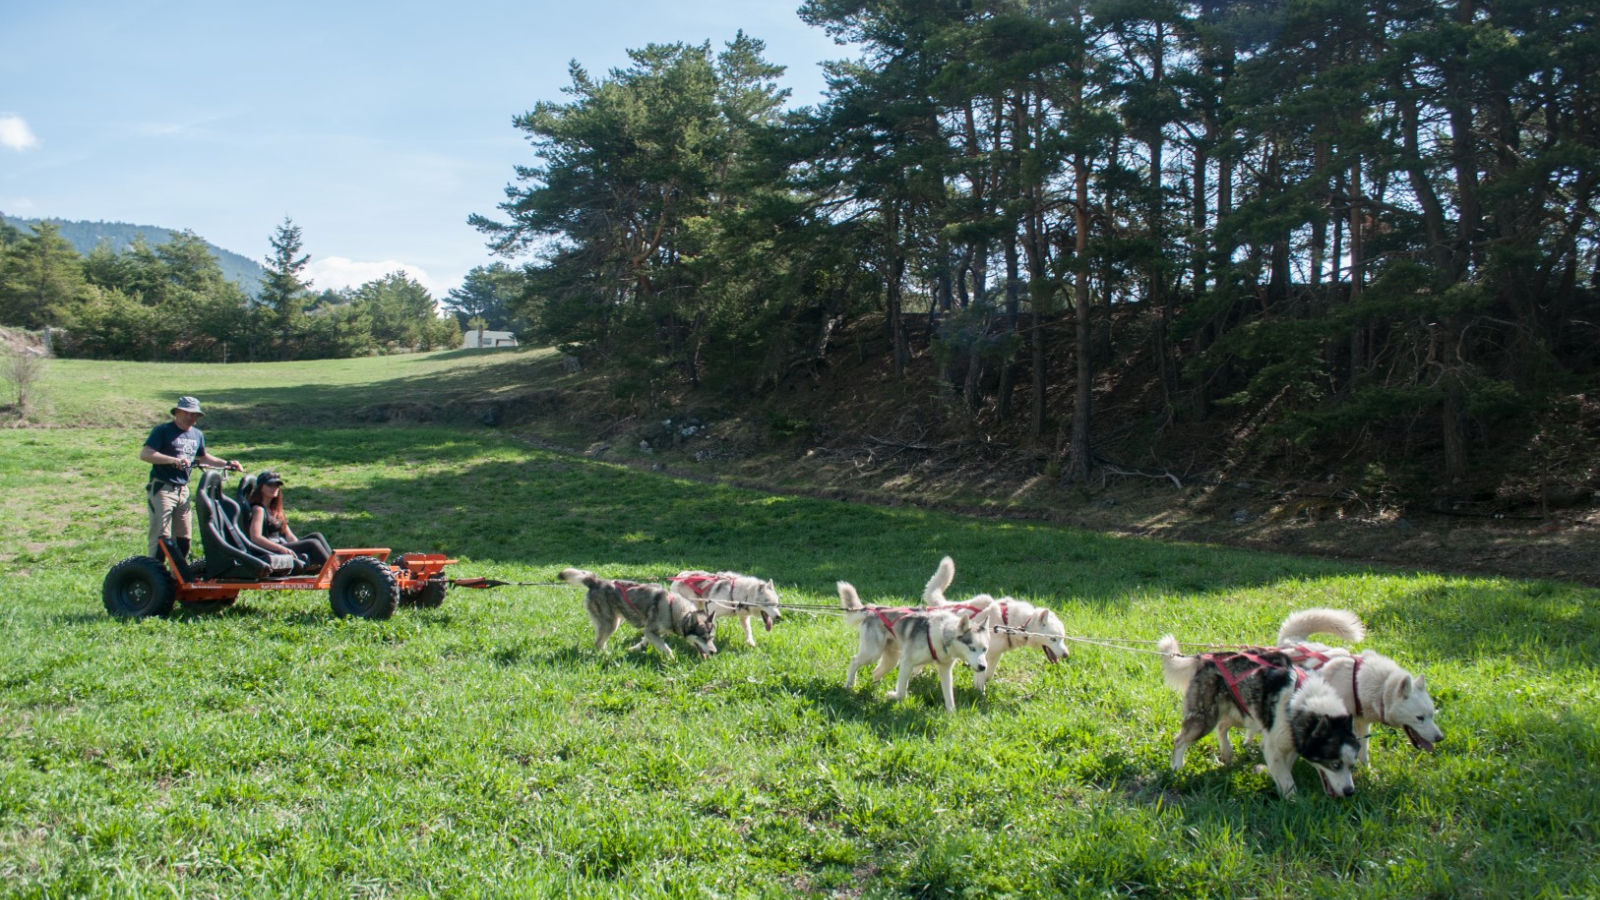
x=729 y=593
x=911 y=639
x=1015 y=623
x=1372 y=686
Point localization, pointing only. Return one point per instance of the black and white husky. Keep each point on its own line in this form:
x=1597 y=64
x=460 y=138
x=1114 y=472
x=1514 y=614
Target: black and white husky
x=730 y=594
x=1257 y=689
x=913 y=638
x=650 y=608
x=1372 y=686
x=1015 y=623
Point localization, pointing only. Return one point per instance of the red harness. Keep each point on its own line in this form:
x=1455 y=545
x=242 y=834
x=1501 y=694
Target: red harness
x=1232 y=681
x=699 y=582
x=1355 y=688
x=622 y=588
x=903 y=611
x=1301 y=652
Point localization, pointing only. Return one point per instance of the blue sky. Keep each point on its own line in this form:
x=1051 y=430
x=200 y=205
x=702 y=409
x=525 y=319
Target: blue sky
x=377 y=127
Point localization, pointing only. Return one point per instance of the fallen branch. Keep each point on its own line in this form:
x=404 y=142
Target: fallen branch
x=1106 y=467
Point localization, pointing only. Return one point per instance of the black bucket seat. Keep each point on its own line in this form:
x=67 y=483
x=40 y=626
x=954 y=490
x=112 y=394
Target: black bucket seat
x=229 y=554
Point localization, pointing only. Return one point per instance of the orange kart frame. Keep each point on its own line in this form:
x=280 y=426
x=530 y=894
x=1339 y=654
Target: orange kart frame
x=358 y=581
x=412 y=572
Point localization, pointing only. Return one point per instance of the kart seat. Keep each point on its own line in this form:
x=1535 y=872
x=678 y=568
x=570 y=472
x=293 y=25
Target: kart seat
x=241 y=496
x=229 y=554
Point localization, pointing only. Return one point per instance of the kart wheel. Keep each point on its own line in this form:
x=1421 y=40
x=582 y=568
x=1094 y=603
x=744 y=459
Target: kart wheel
x=364 y=587
x=138 y=587
x=431 y=596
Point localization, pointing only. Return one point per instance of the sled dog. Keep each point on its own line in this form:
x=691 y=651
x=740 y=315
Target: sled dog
x=1015 y=623
x=1373 y=687
x=1258 y=691
x=729 y=593
x=648 y=607
x=911 y=639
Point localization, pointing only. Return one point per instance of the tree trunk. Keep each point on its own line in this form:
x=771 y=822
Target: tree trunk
x=1079 y=460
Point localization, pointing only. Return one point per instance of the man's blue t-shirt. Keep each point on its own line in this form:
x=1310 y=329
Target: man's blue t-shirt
x=168 y=440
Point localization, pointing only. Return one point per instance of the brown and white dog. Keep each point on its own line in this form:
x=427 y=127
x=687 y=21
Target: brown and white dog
x=730 y=594
x=1015 y=623
x=651 y=608
x=912 y=638
x=1373 y=686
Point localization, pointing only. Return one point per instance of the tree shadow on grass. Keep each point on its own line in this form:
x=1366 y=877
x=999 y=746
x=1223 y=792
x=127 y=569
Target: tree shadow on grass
x=476 y=498
x=441 y=395
x=1542 y=626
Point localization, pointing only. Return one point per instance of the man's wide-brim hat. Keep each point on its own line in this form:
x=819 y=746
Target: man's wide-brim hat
x=189 y=405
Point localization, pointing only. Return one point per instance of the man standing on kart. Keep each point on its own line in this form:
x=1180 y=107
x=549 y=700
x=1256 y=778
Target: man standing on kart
x=172 y=449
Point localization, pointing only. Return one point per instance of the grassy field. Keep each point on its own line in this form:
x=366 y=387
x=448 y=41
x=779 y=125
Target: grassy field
x=484 y=749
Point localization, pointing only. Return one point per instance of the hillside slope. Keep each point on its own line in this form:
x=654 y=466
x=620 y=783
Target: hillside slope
x=85 y=236
x=847 y=429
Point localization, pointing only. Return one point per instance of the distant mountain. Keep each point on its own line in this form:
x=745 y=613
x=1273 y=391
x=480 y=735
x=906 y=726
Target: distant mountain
x=241 y=270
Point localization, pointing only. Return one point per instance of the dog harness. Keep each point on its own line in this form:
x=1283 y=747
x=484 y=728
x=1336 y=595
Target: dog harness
x=903 y=611
x=1355 y=688
x=622 y=588
x=1301 y=652
x=699 y=583
x=1232 y=681
x=1005 y=613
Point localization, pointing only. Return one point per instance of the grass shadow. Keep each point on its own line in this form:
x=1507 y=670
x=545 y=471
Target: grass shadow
x=1544 y=626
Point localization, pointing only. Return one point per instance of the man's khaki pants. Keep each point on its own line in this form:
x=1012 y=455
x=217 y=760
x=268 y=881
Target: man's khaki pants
x=169 y=514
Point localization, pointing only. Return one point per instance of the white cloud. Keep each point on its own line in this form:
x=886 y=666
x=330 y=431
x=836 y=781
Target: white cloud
x=335 y=272
x=15 y=133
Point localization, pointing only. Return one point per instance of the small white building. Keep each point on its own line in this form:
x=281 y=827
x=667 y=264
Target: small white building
x=478 y=338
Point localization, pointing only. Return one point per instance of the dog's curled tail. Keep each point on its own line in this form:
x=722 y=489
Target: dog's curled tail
x=580 y=577
x=933 y=594
x=848 y=597
x=1176 y=669
x=1340 y=623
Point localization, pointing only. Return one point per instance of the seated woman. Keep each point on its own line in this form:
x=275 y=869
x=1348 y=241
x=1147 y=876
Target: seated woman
x=270 y=530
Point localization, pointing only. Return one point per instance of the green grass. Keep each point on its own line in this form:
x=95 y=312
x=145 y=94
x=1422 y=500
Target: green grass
x=483 y=749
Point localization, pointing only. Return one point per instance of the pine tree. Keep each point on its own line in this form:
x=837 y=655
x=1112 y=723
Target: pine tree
x=283 y=291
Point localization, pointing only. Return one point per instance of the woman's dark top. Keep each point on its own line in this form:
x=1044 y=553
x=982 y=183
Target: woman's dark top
x=270 y=530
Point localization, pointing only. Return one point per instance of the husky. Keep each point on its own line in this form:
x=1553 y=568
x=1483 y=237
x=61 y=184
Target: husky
x=648 y=607
x=729 y=593
x=1258 y=691
x=1372 y=686
x=1015 y=623
x=911 y=639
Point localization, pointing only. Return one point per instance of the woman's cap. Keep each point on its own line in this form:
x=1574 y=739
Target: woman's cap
x=269 y=477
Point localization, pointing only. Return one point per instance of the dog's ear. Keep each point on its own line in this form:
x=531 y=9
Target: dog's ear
x=1422 y=682
x=1405 y=686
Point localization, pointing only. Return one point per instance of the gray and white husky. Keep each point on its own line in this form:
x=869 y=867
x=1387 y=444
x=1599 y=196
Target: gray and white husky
x=1373 y=686
x=650 y=608
x=1015 y=623
x=911 y=639
x=729 y=593
x=1258 y=690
